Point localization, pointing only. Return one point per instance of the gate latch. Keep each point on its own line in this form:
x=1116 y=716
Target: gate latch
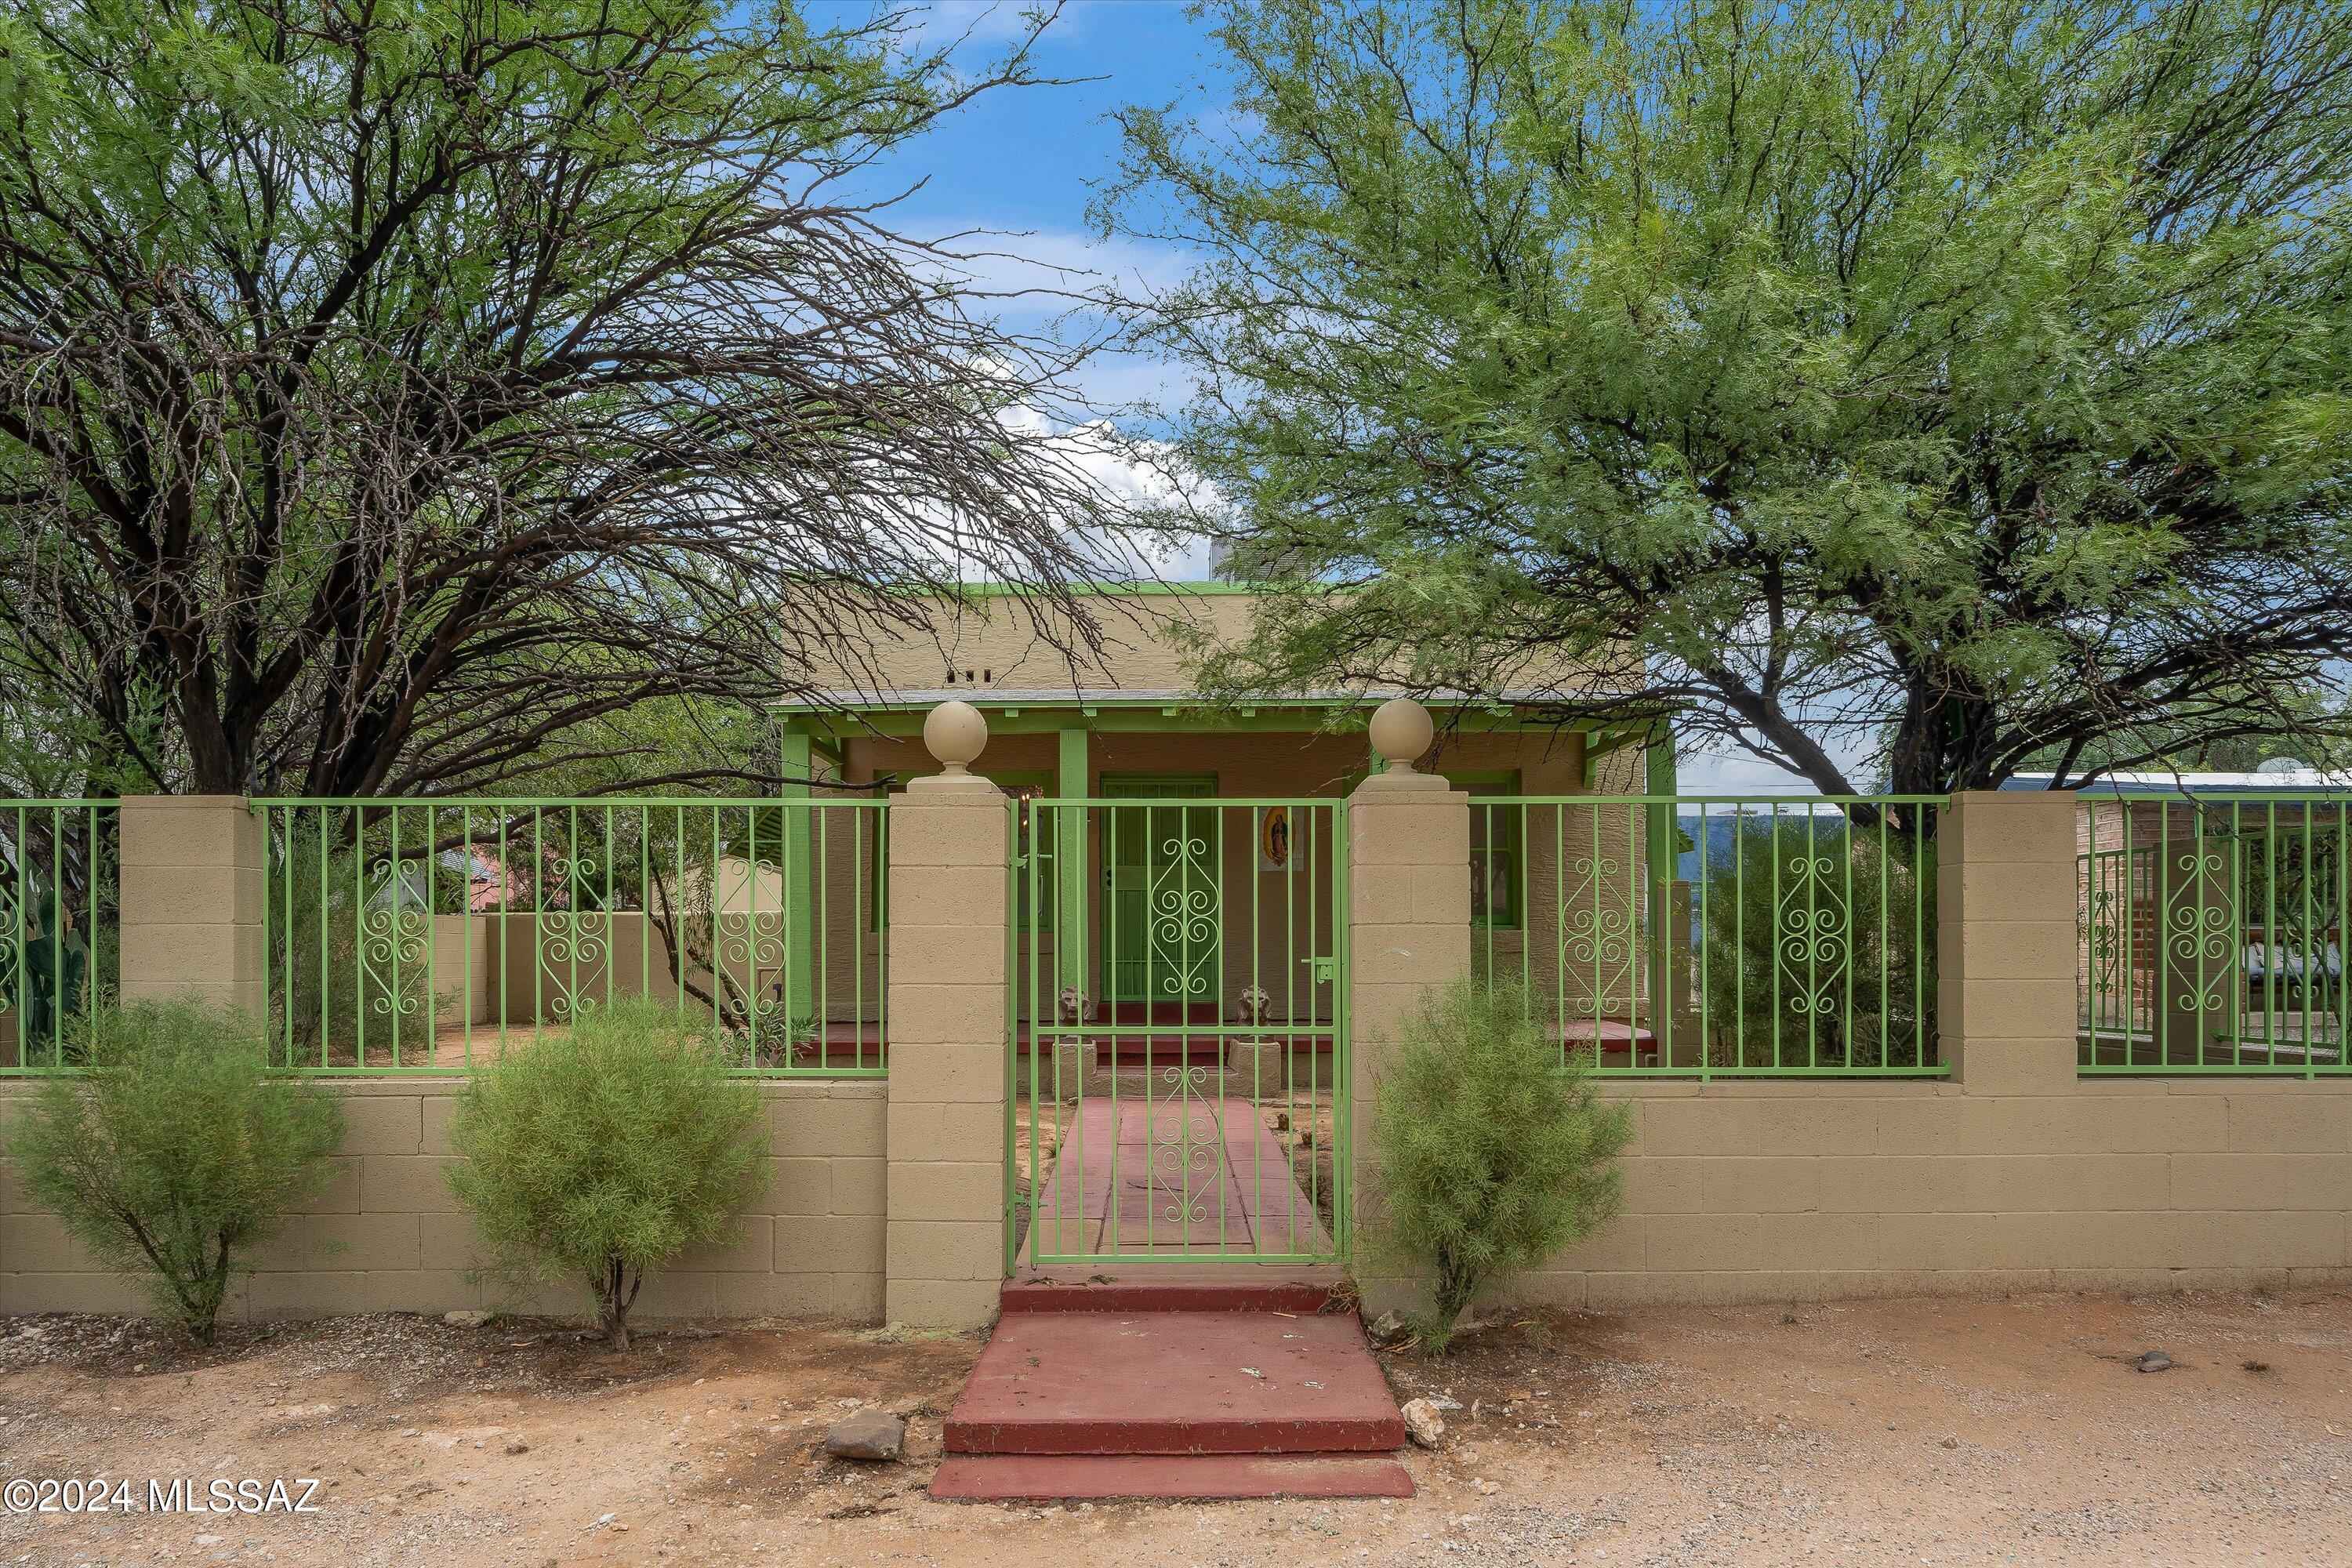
x=1324 y=969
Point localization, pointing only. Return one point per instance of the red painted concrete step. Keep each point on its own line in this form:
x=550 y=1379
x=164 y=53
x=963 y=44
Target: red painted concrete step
x=1243 y=1287
x=1175 y=1383
x=1043 y=1478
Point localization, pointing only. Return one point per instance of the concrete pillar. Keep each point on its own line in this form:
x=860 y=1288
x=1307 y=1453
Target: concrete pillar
x=950 y=929
x=2006 y=945
x=193 y=875
x=1408 y=929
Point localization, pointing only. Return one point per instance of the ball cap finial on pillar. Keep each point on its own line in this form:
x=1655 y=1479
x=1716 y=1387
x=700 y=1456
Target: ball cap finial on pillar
x=955 y=733
x=1402 y=732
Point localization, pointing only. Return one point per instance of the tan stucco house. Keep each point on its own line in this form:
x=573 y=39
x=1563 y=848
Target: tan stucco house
x=1121 y=721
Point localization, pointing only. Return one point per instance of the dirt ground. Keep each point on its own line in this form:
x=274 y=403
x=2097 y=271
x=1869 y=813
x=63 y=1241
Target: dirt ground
x=1945 y=1431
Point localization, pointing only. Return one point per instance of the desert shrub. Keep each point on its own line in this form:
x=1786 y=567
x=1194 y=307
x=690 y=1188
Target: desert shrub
x=602 y=1151
x=1490 y=1149
x=176 y=1150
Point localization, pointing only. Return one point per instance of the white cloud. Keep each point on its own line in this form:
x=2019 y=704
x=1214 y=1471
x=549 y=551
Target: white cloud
x=1726 y=772
x=1050 y=284
x=1060 y=261
x=939 y=22
x=1129 y=474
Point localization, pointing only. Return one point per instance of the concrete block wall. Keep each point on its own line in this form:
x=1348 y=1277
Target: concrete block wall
x=888 y=1195
x=1773 y=1190
x=386 y=1235
x=190 y=896
x=949 y=931
x=1409 y=931
x=2014 y=1174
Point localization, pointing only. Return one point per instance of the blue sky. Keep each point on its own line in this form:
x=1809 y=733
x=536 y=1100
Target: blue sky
x=1028 y=158
x=1024 y=163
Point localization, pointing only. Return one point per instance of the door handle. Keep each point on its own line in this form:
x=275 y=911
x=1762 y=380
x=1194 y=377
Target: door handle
x=1323 y=969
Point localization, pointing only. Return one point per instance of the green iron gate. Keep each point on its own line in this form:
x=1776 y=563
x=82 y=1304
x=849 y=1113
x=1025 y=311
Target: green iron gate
x=1179 y=1044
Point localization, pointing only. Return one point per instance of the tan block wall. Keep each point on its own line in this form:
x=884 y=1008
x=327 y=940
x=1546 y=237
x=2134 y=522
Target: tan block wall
x=386 y=1235
x=945 y=1247
x=1409 y=912
x=1764 y=1192
x=2012 y=1174
x=192 y=871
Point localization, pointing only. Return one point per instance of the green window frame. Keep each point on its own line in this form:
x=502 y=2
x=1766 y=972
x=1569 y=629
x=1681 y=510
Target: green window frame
x=1497 y=855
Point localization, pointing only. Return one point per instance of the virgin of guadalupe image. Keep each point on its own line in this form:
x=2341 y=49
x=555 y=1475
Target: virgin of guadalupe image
x=1274 y=838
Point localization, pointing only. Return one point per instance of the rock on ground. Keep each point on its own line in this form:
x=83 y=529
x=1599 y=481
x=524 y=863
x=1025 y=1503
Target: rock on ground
x=1422 y=1424
x=867 y=1435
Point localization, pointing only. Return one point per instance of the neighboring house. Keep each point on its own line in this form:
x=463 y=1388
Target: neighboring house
x=1197 y=915
x=2211 y=915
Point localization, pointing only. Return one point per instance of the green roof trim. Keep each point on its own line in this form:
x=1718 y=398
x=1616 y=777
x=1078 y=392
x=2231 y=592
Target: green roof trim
x=1023 y=714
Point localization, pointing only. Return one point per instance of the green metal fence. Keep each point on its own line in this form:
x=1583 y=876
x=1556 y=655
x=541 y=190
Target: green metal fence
x=59 y=909
x=418 y=936
x=1176 y=1080
x=1716 y=936
x=2212 y=932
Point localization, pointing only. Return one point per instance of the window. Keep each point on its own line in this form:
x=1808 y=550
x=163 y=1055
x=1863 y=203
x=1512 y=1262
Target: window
x=1497 y=876
x=1494 y=873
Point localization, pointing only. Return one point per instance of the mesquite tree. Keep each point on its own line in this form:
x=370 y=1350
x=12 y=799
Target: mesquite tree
x=1959 y=382
x=394 y=393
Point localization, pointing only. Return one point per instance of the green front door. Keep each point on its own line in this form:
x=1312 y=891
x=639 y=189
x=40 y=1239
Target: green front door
x=1162 y=898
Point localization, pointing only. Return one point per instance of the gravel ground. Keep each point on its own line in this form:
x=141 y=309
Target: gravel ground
x=1937 y=1431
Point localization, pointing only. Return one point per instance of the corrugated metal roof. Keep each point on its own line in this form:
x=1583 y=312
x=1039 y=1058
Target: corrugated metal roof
x=2288 y=781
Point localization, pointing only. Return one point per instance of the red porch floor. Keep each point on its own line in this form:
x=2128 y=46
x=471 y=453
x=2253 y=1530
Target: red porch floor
x=1173 y=1177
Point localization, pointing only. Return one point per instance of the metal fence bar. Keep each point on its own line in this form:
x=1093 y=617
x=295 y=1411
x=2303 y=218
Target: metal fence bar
x=407 y=936
x=2210 y=932
x=1774 y=936
x=60 y=901
x=1191 y=1066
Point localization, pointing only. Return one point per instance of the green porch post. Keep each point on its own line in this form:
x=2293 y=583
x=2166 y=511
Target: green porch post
x=794 y=759
x=1071 y=927
x=1658 y=852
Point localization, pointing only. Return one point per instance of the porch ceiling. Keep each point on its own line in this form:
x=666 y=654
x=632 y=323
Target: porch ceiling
x=1015 y=713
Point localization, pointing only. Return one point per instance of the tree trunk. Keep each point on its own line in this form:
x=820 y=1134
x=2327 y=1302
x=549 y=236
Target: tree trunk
x=612 y=1304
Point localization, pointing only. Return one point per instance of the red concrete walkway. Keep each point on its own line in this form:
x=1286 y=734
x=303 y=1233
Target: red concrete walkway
x=1187 y=1176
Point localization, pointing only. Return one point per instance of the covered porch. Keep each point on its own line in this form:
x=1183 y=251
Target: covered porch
x=1175 y=894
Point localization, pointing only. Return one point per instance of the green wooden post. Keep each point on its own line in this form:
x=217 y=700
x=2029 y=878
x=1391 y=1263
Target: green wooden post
x=1070 y=925
x=795 y=761
x=1658 y=850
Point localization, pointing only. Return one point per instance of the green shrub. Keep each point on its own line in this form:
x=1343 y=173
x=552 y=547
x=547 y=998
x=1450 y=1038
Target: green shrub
x=604 y=1150
x=1490 y=1148
x=176 y=1151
